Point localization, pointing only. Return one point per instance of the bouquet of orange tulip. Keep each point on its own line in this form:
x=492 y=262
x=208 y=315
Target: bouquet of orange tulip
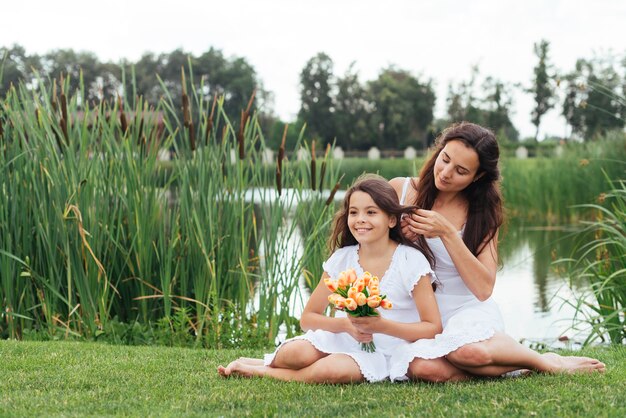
x=358 y=296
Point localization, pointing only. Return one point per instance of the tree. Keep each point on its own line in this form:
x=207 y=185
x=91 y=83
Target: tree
x=542 y=89
x=352 y=112
x=317 y=107
x=403 y=109
x=498 y=103
x=594 y=102
x=463 y=105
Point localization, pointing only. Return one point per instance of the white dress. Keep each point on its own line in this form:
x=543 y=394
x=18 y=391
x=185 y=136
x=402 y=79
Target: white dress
x=465 y=319
x=407 y=266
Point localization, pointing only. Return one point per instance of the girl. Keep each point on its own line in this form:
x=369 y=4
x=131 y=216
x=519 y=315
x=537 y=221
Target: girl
x=367 y=237
x=461 y=211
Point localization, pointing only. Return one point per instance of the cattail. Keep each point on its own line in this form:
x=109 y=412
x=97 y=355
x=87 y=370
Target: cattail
x=240 y=135
x=64 y=118
x=123 y=121
x=279 y=162
x=54 y=96
x=209 y=123
x=331 y=197
x=245 y=115
x=140 y=131
x=187 y=122
x=192 y=136
x=323 y=168
x=313 y=166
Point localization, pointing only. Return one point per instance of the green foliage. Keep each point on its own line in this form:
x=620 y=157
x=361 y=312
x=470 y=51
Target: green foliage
x=491 y=108
x=546 y=188
x=403 y=109
x=87 y=379
x=542 y=90
x=602 y=262
x=595 y=98
x=316 y=84
x=96 y=232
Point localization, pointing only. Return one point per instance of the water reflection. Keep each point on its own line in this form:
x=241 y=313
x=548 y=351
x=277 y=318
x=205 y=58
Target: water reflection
x=529 y=290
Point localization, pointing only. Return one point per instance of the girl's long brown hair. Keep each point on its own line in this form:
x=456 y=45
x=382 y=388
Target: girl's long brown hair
x=386 y=198
x=484 y=214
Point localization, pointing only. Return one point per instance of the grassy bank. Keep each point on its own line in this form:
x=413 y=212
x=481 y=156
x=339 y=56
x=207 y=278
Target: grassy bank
x=63 y=378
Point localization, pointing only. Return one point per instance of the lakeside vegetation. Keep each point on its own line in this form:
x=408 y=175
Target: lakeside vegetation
x=102 y=241
x=87 y=379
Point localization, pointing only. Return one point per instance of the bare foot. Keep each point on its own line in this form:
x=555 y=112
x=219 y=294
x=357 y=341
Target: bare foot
x=237 y=368
x=251 y=361
x=573 y=364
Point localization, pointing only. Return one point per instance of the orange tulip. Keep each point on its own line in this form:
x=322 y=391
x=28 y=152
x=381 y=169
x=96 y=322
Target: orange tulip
x=361 y=299
x=352 y=292
x=359 y=284
x=374 y=290
x=331 y=284
x=339 y=302
x=374 y=282
x=385 y=304
x=351 y=273
x=342 y=279
x=373 y=301
x=350 y=304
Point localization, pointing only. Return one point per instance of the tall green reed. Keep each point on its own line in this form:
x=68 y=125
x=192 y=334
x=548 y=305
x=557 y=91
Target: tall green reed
x=94 y=228
x=601 y=261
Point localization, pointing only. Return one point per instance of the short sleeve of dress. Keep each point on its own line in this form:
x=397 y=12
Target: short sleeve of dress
x=339 y=261
x=414 y=266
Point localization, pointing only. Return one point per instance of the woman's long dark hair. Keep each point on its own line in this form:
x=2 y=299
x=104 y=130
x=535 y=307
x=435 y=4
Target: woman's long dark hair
x=484 y=214
x=386 y=198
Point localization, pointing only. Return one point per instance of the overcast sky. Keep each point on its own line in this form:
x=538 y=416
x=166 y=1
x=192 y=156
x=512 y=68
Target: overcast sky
x=438 y=39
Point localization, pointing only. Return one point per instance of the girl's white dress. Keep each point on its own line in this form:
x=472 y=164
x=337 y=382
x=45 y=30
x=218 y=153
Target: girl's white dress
x=465 y=319
x=407 y=266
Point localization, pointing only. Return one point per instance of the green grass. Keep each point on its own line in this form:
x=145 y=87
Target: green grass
x=89 y=379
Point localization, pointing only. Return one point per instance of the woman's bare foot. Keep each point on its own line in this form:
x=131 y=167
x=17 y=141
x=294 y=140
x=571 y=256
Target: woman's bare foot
x=237 y=368
x=573 y=364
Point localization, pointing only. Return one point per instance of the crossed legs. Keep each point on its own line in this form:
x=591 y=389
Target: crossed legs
x=298 y=361
x=493 y=357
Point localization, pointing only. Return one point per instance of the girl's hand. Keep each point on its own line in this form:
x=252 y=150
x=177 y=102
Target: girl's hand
x=367 y=324
x=360 y=336
x=429 y=223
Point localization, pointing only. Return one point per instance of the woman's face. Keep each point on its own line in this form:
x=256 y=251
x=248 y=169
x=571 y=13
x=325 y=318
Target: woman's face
x=455 y=167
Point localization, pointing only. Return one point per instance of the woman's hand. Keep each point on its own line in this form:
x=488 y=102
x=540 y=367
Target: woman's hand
x=367 y=324
x=428 y=223
x=407 y=230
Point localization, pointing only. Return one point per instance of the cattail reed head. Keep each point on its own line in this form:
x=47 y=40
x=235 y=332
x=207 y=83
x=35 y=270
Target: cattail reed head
x=279 y=161
x=323 y=168
x=331 y=197
x=123 y=120
x=240 y=135
x=209 y=124
x=313 y=166
x=185 y=99
x=54 y=96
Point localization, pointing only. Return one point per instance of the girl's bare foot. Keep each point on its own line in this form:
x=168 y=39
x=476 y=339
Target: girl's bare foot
x=573 y=364
x=251 y=361
x=237 y=368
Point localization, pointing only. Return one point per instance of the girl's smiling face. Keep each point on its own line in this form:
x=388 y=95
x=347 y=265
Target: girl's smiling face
x=367 y=222
x=456 y=167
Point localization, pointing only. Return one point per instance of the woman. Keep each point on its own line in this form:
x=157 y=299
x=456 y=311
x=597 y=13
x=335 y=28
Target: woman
x=458 y=190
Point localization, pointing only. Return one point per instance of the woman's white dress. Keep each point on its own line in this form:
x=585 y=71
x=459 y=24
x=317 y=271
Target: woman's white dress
x=407 y=266
x=465 y=319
